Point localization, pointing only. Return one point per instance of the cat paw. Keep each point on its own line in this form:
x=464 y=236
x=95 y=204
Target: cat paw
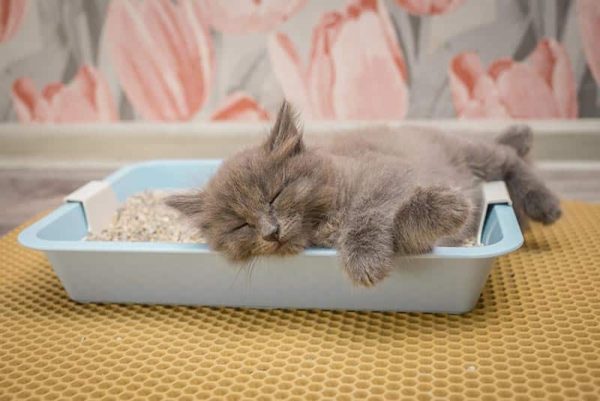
x=542 y=205
x=366 y=247
x=446 y=209
x=367 y=270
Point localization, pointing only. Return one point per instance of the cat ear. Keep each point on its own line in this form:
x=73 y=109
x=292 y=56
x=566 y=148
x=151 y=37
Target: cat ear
x=285 y=139
x=188 y=204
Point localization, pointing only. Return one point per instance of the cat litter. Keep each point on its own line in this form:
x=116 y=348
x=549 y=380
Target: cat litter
x=145 y=217
x=119 y=264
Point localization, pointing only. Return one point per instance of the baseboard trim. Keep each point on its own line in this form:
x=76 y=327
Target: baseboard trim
x=112 y=145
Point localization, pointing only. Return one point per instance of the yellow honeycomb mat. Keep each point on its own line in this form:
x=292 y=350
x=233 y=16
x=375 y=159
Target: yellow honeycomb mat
x=535 y=334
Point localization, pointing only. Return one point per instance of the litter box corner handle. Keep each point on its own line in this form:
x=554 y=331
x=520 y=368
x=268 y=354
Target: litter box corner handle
x=494 y=193
x=98 y=201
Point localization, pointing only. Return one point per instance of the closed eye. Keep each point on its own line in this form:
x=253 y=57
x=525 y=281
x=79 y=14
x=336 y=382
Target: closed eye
x=276 y=196
x=240 y=227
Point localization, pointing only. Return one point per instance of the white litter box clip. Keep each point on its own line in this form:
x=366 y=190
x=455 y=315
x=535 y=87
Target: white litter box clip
x=494 y=193
x=99 y=202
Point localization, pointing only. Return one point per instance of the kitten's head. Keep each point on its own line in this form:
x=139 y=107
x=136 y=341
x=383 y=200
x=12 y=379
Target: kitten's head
x=266 y=200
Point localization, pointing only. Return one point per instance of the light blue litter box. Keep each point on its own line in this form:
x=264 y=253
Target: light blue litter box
x=446 y=280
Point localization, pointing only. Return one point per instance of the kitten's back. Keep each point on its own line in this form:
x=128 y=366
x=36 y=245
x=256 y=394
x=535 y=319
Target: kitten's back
x=432 y=156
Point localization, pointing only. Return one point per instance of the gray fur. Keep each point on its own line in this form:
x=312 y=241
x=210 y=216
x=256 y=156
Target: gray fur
x=371 y=194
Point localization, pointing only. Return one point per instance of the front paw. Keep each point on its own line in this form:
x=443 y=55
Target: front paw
x=367 y=270
x=444 y=209
x=542 y=205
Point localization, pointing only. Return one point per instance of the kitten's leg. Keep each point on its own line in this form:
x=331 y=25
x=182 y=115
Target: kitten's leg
x=500 y=162
x=366 y=247
x=430 y=214
x=368 y=242
x=532 y=195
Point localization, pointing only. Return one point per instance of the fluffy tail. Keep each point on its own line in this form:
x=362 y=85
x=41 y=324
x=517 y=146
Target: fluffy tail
x=518 y=137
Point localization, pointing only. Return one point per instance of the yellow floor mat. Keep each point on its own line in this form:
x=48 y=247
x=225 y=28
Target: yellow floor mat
x=535 y=334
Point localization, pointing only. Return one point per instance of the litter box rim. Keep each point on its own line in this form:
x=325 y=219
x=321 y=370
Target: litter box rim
x=501 y=215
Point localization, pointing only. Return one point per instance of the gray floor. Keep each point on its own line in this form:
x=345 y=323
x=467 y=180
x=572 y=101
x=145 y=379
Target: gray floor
x=24 y=193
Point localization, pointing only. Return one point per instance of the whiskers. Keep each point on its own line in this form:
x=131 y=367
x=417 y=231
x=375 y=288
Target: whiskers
x=248 y=269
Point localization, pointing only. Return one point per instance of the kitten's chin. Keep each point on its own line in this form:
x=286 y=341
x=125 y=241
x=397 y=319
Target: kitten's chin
x=289 y=249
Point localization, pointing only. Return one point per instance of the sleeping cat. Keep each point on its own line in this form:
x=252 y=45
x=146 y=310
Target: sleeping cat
x=369 y=194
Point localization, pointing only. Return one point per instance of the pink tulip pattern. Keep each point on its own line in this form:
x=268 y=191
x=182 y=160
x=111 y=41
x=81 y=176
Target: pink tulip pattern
x=588 y=12
x=429 y=7
x=355 y=71
x=12 y=13
x=163 y=56
x=86 y=99
x=240 y=106
x=543 y=86
x=247 y=16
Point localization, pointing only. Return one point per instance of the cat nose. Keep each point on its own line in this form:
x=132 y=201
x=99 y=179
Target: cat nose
x=271 y=233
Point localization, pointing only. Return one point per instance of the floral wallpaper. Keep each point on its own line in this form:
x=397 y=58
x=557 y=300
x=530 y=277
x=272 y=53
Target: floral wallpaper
x=65 y=61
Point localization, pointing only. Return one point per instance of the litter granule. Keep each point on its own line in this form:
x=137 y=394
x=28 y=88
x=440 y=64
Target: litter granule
x=144 y=217
x=469 y=242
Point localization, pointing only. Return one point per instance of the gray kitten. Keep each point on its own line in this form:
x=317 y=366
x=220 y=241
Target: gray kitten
x=370 y=194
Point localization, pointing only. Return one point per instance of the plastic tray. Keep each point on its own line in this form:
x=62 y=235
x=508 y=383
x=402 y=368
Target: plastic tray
x=446 y=280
